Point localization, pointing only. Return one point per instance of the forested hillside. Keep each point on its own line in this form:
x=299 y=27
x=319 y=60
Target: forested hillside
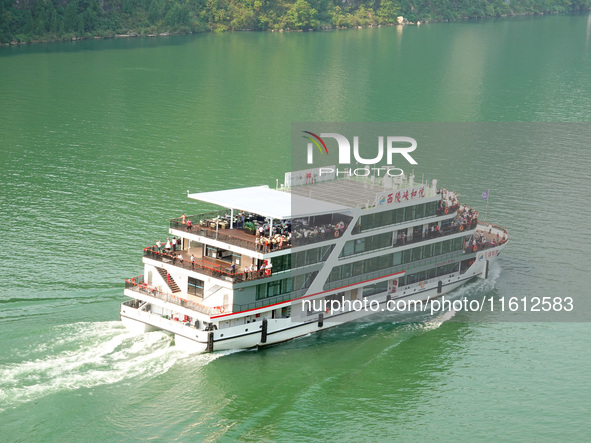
x=45 y=20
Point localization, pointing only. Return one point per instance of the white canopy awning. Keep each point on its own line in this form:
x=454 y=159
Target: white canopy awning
x=268 y=202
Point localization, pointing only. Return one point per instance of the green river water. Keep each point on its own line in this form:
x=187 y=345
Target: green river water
x=101 y=139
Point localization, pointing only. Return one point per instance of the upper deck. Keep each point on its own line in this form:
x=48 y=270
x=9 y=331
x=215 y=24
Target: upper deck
x=366 y=192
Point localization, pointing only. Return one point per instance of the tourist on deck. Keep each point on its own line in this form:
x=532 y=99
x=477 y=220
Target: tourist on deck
x=159 y=246
x=180 y=257
x=167 y=246
x=189 y=224
x=184 y=219
x=173 y=244
x=192 y=261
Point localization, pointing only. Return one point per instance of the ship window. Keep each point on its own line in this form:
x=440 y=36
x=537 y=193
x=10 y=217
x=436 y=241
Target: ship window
x=409 y=213
x=298 y=282
x=349 y=248
x=195 y=287
x=384 y=261
x=420 y=211
x=299 y=259
x=371 y=265
x=261 y=291
x=432 y=273
x=312 y=256
x=437 y=248
x=358 y=268
x=397 y=258
x=335 y=274
x=406 y=256
x=446 y=246
x=281 y=263
x=346 y=271
x=428 y=251
x=273 y=288
x=417 y=254
x=387 y=218
x=359 y=245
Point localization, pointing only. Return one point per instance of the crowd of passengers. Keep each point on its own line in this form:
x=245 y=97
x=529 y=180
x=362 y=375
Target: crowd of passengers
x=303 y=233
x=272 y=243
x=266 y=241
x=448 y=203
x=479 y=240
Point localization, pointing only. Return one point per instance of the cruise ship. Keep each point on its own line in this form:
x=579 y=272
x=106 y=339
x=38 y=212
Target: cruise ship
x=277 y=263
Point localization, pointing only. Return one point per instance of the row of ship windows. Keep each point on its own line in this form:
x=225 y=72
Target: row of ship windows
x=285 y=285
x=352 y=247
x=400 y=215
x=300 y=259
x=385 y=240
x=397 y=258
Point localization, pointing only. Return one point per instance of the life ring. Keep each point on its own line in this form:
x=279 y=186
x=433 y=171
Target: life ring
x=327 y=311
x=422 y=284
x=221 y=309
x=337 y=233
x=475 y=248
x=446 y=210
x=461 y=227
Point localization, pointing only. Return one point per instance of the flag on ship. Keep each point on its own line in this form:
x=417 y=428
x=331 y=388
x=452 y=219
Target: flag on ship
x=485 y=195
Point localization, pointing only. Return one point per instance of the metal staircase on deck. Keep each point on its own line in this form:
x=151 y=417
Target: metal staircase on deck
x=174 y=288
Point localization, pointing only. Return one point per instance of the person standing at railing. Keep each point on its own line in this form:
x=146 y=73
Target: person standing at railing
x=159 y=246
x=192 y=261
x=189 y=224
x=180 y=257
x=184 y=218
x=167 y=246
x=173 y=244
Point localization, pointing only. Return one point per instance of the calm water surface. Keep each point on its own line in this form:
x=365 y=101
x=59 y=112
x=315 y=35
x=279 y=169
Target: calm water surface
x=100 y=140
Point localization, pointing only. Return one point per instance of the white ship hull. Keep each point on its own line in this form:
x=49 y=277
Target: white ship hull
x=250 y=335
x=311 y=266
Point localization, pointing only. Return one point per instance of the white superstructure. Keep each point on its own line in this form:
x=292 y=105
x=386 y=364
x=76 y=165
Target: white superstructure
x=264 y=269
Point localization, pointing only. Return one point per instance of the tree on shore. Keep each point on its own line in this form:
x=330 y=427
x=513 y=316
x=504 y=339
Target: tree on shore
x=29 y=20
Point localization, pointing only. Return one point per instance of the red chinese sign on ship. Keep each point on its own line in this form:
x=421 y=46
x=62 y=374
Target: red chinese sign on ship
x=401 y=196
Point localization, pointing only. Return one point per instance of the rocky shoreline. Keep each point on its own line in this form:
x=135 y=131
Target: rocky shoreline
x=401 y=21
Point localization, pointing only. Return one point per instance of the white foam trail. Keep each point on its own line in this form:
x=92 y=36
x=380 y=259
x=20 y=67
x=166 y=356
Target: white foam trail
x=436 y=322
x=100 y=353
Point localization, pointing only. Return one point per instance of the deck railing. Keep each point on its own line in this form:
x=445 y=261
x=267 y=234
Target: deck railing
x=139 y=285
x=200 y=225
x=204 y=267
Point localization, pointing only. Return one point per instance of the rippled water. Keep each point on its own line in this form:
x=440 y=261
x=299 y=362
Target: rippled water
x=99 y=141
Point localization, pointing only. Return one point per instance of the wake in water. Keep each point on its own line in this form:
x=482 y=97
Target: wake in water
x=84 y=355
